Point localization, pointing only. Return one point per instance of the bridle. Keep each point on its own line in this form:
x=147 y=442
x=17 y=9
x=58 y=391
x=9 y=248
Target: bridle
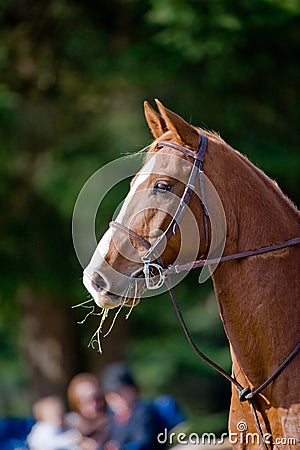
x=155 y=274
x=153 y=251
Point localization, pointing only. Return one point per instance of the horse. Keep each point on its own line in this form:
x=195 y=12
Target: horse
x=256 y=289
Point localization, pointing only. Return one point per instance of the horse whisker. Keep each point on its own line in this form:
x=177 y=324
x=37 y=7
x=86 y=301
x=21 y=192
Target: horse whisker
x=90 y=313
x=116 y=315
x=95 y=340
x=134 y=298
x=83 y=303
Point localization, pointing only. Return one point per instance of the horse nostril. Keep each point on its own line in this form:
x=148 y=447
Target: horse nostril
x=98 y=282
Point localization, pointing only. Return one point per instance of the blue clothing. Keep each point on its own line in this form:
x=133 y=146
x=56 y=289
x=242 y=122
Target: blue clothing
x=14 y=431
x=170 y=412
x=141 y=430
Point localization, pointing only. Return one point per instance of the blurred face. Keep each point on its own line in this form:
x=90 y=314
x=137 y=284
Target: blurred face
x=123 y=400
x=51 y=411
x=54 y=414
x=90 y=400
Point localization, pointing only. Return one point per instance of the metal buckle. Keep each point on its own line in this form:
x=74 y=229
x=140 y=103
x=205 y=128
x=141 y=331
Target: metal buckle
x=149 y=277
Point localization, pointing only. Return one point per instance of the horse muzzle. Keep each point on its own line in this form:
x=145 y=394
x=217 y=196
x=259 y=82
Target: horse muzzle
x=103 y=296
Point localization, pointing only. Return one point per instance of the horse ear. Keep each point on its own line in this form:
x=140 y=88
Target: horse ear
x=155 y=122
x=183 y=131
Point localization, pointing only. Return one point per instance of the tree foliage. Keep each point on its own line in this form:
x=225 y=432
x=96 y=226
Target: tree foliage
x=73 y=77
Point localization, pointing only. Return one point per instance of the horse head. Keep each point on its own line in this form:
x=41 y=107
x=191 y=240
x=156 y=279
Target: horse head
x=148 y=222
x=169 y=217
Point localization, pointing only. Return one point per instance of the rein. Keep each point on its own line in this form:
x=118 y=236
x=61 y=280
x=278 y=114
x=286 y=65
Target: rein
x=156 y=275
x=177 y=268
x=244 y=393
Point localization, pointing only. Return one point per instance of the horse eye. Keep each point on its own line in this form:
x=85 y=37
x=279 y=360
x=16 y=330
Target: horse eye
x=162 y=186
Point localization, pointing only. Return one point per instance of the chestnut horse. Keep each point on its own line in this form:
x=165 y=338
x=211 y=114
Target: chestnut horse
x=257 y=295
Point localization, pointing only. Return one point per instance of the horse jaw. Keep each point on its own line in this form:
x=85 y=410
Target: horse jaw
x=110 y=301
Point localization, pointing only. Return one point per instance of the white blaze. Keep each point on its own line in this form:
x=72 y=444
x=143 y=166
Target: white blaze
x=103 y=245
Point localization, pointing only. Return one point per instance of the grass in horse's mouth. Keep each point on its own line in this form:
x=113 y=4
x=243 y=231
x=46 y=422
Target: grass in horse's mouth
x=95 y=341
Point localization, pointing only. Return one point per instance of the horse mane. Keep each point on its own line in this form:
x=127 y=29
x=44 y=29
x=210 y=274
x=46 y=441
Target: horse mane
x=216 y=138
x=272 y=184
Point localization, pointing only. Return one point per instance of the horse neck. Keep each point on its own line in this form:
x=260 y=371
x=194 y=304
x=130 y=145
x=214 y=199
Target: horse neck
x=257 y=212
x=250 y=292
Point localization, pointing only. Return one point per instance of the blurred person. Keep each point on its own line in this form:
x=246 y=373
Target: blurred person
x=89 y=410
x=135 y=422
x=49 y=432
x=14 y=432
x=171 y=413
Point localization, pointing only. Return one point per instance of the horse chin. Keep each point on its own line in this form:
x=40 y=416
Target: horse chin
x=108 y=300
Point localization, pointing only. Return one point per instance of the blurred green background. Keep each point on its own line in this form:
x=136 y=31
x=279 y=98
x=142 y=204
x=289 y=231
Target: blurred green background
x=74 y=75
